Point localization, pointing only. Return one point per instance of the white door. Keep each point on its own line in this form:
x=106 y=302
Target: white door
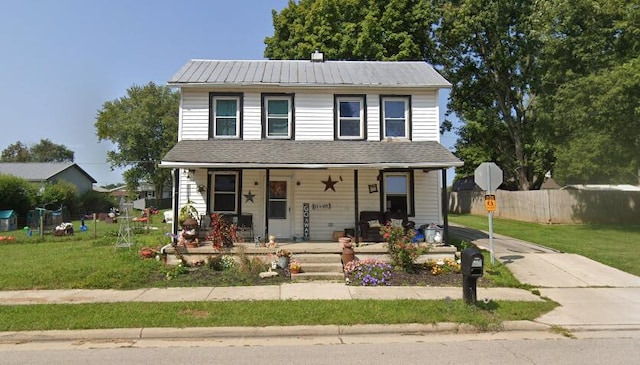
x=279 y=207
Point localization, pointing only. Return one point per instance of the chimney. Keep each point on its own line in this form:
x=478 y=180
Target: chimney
x=317 y=56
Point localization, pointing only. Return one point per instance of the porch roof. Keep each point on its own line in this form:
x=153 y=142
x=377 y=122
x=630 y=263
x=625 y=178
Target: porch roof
x=308 y=154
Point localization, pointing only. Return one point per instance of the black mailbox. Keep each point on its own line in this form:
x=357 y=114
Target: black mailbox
x=472 y=266
x=472 y=262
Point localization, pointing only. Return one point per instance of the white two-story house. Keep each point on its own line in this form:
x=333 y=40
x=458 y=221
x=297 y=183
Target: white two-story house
x=302 y=147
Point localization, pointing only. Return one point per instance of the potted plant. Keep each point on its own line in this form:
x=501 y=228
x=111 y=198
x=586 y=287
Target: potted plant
x=284 y=256
x=188 y=211
x=223 y=232
x=295 y=267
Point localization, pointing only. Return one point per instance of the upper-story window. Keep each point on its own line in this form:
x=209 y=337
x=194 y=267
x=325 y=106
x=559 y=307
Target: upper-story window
x=396 y=121
x=226 y=116
x=350 y=116
x=278 y=116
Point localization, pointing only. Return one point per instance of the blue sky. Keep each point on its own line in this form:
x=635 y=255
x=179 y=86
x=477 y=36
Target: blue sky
x=62 y=59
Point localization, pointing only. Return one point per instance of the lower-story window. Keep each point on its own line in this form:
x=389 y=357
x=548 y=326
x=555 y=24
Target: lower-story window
x=225 y=192
x=398 y=192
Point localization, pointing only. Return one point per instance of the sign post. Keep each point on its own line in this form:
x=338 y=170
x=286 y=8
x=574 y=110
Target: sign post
x=488 y=177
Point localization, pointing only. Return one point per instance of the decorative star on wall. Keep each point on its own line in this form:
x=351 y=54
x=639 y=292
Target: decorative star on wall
x=329 y=184
x=249 y=197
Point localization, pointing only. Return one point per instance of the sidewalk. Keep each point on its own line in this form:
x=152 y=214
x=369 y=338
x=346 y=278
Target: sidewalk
x=294 y=291
x=592 y=295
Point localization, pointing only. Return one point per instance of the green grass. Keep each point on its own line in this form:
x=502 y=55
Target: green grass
x=486 y=316
x=614 y=245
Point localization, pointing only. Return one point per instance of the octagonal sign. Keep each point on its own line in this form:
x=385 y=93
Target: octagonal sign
x=488 y=176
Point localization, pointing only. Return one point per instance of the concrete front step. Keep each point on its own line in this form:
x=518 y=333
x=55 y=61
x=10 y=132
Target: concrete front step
x=326 y=276
x=316 y=258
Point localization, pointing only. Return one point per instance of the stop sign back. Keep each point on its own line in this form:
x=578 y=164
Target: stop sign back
x=488 y=176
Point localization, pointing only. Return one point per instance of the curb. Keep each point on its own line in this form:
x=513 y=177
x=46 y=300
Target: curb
x=134 y=334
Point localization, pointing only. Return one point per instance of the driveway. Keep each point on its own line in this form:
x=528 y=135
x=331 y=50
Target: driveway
x=591 y=295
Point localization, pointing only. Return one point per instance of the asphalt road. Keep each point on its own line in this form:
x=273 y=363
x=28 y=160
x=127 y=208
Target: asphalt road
x=498 y=348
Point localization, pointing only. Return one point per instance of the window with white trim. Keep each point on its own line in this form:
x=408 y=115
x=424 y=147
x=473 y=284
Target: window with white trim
x=397 y=192
x=395 y=117
x=225 y=192
x=225 y=116
x=278 y=112
x=350 y=117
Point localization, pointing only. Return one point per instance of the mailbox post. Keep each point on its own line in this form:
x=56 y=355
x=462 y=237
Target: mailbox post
x=472 y=267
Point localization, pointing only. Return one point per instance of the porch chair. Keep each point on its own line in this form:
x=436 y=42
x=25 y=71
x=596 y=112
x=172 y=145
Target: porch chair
x=245 y=227
x=370 y=223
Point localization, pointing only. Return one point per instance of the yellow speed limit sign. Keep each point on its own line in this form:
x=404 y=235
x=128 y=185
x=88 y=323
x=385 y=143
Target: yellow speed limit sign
x=490 y=203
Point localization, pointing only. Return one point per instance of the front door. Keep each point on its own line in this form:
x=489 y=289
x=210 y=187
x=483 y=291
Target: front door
x=279 y=211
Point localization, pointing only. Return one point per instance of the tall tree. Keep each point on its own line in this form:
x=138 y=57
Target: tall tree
x=16 y=152
x=143 y=125
x=591 y=88
x=43 y=151
x=351 y=30
x=488 y=50
x=47 y=151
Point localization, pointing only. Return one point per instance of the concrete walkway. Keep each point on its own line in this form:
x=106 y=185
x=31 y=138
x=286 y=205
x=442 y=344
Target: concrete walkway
x=294 y=291
x=592 y=295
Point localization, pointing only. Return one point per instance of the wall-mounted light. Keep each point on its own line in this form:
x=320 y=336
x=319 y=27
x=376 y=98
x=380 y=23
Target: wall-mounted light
x=298 y=183
x=255 y=183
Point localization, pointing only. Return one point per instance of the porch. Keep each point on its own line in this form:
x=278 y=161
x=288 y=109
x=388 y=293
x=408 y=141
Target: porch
x=321 y=260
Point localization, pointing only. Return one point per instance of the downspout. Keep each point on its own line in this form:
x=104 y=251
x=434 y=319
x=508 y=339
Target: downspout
x=445 y=208
x=174 y=205
x=266 y=206
x=356 y=208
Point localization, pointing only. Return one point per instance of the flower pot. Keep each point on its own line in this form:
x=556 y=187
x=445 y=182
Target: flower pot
x=283 y=262
x=191 y=244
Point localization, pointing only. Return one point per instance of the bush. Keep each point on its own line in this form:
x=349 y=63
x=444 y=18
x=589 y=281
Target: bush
x=58 y=194
x=401 y=248
x=94 y=202
x=17 y=194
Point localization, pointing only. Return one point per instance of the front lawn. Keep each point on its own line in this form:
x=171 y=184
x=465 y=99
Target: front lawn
x=614 y=245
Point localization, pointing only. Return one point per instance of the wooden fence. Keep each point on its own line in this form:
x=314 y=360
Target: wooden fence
x=554 y=206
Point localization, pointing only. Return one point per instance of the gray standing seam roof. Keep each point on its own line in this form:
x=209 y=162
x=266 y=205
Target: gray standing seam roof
x=411 y=74
x=39 y=171
x=311 y=154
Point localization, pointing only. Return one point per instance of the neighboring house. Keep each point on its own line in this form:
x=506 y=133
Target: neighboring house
x=42 y=173
x=305 y=146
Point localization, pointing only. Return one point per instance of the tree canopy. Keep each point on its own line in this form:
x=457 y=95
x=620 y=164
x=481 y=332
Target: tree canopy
x=43 y=151
x=512 y=66
x=143 y=125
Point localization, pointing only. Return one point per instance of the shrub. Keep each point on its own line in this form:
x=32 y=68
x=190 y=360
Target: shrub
x=401 y=248
x=17 y=194
x=368 y=272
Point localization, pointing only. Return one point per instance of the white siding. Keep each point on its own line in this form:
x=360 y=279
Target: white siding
x=189 y=190
x=373 y=117
x=194 y=115
x=323 y=221
x=314 y=116
x=255 y=208
x=427 y=197
x=425 y=114
x=251 y=119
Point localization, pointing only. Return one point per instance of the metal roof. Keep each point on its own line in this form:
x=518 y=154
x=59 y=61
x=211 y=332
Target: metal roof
x=309 y=74
x=39 y=171
x=308 y=154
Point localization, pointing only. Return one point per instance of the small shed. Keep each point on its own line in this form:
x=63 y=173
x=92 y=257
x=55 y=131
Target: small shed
x=8 y=220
